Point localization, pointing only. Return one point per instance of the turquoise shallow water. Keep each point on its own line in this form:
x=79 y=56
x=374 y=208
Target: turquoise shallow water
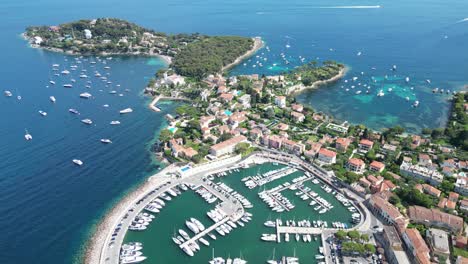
x=48 y=205
x=243 y=241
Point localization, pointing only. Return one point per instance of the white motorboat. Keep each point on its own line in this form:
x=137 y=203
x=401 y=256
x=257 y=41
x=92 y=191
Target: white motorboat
x=115 y=122
x=65 y=72
x=192 y=227
x=85 y=95
x=187 y=250
x=8 y=94
x=52 y=99
x=73 y=111
x=204 y=241
x=126 y=111
x=87 y=121
x=52 y=82
x=27 y=136
x=77 y=162
x=42 y=113
x=132 y=259
x=184 y=234
x=106 y=141
x=67 y=85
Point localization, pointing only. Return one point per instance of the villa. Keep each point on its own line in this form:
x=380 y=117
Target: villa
x=461 y=185
x=426 y=174
x=365 y=145
x=376 y=166
x=280 y=101
x=326 y=156
x=356 y=165
x=297 y=107
x=342 y=144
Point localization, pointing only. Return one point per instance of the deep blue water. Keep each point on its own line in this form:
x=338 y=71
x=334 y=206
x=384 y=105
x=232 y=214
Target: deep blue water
x=48 y=205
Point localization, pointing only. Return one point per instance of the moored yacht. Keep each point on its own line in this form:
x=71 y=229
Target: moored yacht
x=73 y=111
x=8 y=94
x=126 y=111
x=106 y=141
x=115 y=122
x=85 y=95
x=87 y=121
x=52 y=99
x=77 y=162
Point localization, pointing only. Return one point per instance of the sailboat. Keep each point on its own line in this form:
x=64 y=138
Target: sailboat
x=273 y=260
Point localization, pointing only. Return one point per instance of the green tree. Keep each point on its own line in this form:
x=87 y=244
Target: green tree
x=341 y=235
x=353 y=235
x=165 y=135
x=370 y=248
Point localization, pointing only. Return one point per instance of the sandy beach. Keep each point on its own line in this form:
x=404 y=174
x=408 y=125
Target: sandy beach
x=258 y=44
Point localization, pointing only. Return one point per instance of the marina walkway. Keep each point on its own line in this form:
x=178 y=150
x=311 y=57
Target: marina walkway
x=204 y=232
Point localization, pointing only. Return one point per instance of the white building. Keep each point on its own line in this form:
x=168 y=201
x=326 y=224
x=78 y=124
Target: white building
x=423 y=173
x=461 y=186
x=326 y=156
x=88 y=34
x=174 y=79
x=37 y=40
x=226 y=147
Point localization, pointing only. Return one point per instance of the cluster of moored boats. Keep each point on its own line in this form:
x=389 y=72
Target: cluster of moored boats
x=220 y=260
x=276 y=201
x=64 y=73
x=262 y=179
x=228 y=190
x=131 y=253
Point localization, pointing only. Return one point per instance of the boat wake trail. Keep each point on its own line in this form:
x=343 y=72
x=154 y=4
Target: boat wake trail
x=463 y=20
x=351 y=7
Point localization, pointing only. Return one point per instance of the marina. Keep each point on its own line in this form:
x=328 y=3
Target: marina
x=216 y=204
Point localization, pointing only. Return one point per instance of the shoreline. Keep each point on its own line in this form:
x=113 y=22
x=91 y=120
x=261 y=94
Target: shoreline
x=258 y=44
x=297 y=89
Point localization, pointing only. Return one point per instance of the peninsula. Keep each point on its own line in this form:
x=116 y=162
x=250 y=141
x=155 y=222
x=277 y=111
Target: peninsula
x=191 y=55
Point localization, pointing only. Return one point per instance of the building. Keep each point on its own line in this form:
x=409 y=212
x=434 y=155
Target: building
x=376 y=166
x=226 y=147
x=255 y=134
x=356 y=165
x=416 y=246
x=435 y=218
x=429 y=175
x=177 y=150
x=388 y=148
x=464 y=205
x=431 y=190
x=88 y=34
x=365 y=145
x=174 y=79
x=245 y=100
x=280 y=101
x=461 y=185
x=282 y=126
x=424 y=160
x=206 y=120
x=226 y=97
x=297 y=107
x=439 y=242
x=326 y=156
x=387 y=211
x=393 y=246
x=297 y=117
x=342 y=144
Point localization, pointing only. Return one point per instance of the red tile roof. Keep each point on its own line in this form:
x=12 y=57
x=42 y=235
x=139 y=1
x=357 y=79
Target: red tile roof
x=327 y=153
x=356 y=162
x=366 y=142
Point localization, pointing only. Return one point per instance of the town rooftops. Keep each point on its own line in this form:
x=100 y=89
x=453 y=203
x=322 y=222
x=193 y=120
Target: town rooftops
x=377 y=165
x=435 y=217
x=416 y=240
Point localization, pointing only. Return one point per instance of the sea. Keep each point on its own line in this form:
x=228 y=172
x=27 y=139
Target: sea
x=50 y=206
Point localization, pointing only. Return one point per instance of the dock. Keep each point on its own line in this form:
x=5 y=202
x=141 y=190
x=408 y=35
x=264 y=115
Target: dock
x=153 y=106
x=204 y=232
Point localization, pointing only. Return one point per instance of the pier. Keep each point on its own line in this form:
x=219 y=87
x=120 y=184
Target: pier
x=153 y=106
x=204 y=232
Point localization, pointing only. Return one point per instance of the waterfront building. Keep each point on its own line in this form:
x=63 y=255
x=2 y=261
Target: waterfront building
x=376 y=166
x=177 y=150
x=435 y=218
x=393 y=246
x=365 y=145
x=439 y=242
x=292 y=146
x=326 y=156
x=461 y=185
x=356 y=165
x=255 y=134
x=226 y=147
x=297 y=117
x=342 y=144
x=426 y=174
x=280 y=101
x=416 y=246
x=174 y=79
x=297 y=107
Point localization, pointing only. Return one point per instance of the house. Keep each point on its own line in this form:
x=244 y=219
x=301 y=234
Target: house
x=365 y=145
x=292 y=146
x=280 y=101
x=365 y=183
x=415 y=141
x=375 y=180
x=424 y=160
x=206 y=120
x=377 y=166
x=88 y=34
x=297 y=117
x=342 y=144
x=326 y=156
x=439 y=242
x=448 y=171
x=226 y=97
x=274 y=142
x=435 y=218
x=464 y=205
x=255 y=134
x=449 y=163
x=178 y=150
x=356 y=165
x=245 y=100
x=453 y=197
x=174 y=79
x=282 y=126
x=431 y=190
x=388 y=148
x=297 y=107
x=461 y=185
x=227 y=146
x=416 y=246
x=393 y=246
